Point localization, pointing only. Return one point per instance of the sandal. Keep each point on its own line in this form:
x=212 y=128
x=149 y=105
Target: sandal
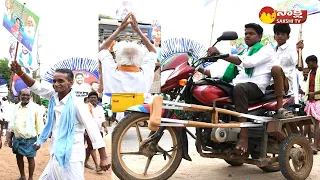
x=98 y=170
x=283 y=114
x=89 y=167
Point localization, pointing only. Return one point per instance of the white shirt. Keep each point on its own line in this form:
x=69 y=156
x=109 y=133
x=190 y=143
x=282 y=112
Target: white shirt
x=98 y=114
x=115 y=81
x=6 y=109
x=287 y=58
x=82 y=119
x=262 y=61
x=43 y=110
x=81 y=90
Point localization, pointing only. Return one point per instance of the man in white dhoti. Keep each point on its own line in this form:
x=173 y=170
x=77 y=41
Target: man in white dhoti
x=132 y=70
x=66 y=123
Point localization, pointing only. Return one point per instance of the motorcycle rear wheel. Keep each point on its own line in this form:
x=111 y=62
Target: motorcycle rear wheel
x=119 y=165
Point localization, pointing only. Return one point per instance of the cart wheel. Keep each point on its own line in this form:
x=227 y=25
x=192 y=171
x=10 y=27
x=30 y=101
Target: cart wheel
x=234 y=163
x=295 y=157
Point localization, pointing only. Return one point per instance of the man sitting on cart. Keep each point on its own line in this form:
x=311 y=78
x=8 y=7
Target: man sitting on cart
x=250 y=72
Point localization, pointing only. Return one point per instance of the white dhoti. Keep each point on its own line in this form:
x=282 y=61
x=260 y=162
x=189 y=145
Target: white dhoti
x=54 y=172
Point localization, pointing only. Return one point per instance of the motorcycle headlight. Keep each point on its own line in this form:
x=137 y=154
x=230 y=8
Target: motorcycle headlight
x=165 y=75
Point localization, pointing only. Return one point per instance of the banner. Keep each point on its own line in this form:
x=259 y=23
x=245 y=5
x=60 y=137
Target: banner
x=156 y=33
x=312 y=6
x=86 y=75
x=84 y=83
x=25 y=58
x=239 y=45
x=20 y=22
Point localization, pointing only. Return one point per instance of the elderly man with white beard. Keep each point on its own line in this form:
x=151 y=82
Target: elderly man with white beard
x=132 y=70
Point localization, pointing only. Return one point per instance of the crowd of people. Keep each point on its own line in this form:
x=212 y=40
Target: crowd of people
x=70 y=123
x=131 y=69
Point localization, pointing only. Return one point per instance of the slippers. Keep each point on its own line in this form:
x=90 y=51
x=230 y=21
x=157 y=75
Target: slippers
x=21 y=178
x=282 y=113
x=89 y=167
x=98 y=170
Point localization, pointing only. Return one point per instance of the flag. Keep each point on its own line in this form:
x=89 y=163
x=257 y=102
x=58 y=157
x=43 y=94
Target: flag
x=206 y=2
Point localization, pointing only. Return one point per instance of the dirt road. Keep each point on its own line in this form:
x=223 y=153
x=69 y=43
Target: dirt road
x=204 y=168
x=9 y=169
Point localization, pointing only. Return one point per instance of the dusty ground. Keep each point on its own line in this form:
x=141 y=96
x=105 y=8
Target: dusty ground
x=9 y=169
x=205 y=168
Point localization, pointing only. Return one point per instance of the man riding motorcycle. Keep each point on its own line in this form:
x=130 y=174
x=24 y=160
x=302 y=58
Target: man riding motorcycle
x=250 y=73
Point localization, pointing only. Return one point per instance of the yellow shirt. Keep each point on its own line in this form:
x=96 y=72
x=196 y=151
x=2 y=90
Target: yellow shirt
x=21 y=118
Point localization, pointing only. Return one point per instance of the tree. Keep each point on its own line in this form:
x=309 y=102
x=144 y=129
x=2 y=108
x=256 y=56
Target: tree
x=5 y=70
x=102 y=16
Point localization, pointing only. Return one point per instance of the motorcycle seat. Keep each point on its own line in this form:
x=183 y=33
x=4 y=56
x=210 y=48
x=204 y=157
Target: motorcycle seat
x=228 y=88
x=269 y=95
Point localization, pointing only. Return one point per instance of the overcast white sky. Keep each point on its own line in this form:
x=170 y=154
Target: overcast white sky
x=69 y=28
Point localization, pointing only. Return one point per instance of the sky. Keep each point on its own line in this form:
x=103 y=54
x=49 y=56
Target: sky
x=69 y=28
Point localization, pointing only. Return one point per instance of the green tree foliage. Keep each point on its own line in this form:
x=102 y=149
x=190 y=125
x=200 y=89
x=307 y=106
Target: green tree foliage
x=4 y=69
x=102 y=16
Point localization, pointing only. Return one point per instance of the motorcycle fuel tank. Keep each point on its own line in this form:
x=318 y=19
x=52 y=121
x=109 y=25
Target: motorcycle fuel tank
x=206 y=94
x=181 y=70
x=175 y=61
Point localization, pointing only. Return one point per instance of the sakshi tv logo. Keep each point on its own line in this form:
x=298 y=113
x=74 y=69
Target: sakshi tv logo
x=270 y=16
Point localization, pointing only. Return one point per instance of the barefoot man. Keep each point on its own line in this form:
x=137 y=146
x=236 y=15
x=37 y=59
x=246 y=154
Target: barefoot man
x=26 y=124
x=66 y=123
x=253 y=77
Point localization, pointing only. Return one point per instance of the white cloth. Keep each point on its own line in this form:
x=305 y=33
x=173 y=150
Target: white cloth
x=43 y=110
x=6 y=107
x=82 y=123
x=99 y=117
x=74 y=171
x=115 y=81
x=295 y=86
x=262 y=61
x=10 y=113
x=217 y=69
x=287 y=58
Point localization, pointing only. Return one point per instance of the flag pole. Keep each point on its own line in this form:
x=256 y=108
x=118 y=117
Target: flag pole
x=214 y=17
x=300 y=62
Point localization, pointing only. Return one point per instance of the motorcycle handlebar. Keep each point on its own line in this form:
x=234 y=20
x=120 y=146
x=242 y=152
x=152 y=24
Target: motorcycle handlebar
x=214 y=58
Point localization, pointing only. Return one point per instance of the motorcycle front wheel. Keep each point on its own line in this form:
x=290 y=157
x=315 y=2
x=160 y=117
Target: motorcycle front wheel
x=132 y=161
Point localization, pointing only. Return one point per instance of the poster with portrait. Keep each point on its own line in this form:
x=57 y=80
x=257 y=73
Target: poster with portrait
x=156 y=33
x=20 y=22
x=85 y=71
x=239 y=44
x=24 y=57
x=84 y=83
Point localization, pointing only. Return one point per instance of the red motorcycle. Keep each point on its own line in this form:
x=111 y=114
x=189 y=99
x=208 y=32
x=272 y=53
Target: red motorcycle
x=178 y=86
